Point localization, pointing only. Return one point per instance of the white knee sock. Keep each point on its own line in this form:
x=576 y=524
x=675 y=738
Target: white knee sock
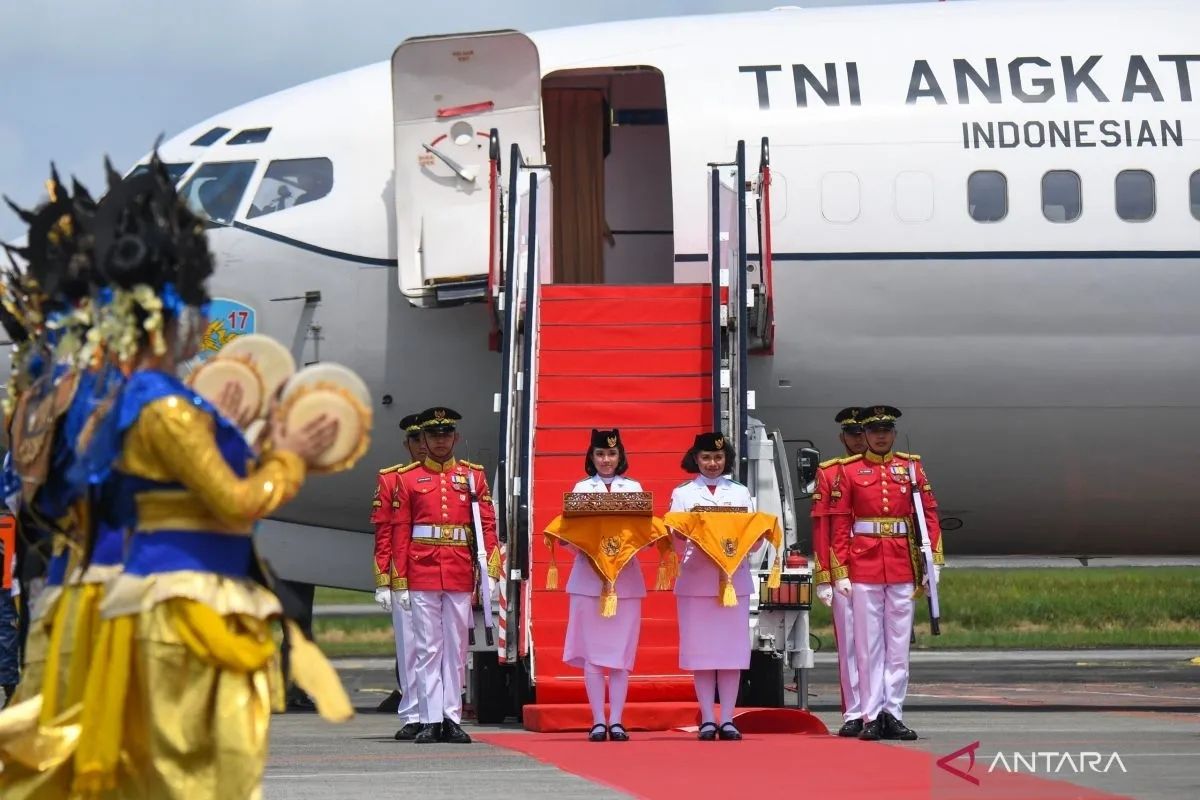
x=706 y=692
x=618 y=686
x=727 y=687
x=593 y=680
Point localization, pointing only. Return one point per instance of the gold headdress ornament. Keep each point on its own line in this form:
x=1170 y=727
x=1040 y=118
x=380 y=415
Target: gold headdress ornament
x=875 y=414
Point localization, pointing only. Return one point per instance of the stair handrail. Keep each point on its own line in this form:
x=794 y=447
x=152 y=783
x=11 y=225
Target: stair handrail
x=766 y=253
x=495 y=275
x=739 y=358
x=718 y=333
x=787 y=499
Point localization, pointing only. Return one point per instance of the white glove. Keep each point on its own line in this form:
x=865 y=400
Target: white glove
x=937 y=576
x=403 y=599
x=825 y=594
x=383 y=596
x=842 y=587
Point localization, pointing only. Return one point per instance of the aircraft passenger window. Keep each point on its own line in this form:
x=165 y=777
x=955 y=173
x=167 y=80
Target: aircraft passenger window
x=290 y=183
x=1194 y=191
x=839 y=196
x=914 y=196
x=987 y=196
x=209 y=137
x=1062 y=196
x=215 y=190
x=251 y=136
x=1135 y=195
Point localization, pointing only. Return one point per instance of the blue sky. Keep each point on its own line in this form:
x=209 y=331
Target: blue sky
x=82 y=79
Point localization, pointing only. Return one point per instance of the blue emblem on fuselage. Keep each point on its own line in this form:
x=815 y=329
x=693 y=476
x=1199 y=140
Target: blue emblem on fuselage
x=227 y=320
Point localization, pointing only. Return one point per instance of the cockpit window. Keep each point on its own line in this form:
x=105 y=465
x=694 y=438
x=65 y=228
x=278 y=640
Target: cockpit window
x=251 y=136
x=175 y=171
x=292 y=182
x=211 y=136
x=216 y=189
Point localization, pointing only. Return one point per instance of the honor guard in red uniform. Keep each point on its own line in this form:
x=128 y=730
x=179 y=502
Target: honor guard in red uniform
x=432 y=544
x=829 y=488
x=404 y=701
x=874 y=532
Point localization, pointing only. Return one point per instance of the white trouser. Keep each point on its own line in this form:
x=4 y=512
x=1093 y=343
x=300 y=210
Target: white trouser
x=406 y=662
x=883 y=618
x=843 y=628
x=440 y=621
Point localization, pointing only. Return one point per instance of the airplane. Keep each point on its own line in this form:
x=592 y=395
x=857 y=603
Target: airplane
x=984 y=213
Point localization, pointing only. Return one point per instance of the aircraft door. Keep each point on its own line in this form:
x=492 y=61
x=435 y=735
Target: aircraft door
x=448 y=93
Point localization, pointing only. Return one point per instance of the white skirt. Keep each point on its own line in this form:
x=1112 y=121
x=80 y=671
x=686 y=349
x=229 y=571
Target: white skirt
x=609 y=642
x=713 y=636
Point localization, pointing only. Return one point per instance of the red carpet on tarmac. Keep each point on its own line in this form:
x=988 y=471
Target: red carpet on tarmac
x=674 y=766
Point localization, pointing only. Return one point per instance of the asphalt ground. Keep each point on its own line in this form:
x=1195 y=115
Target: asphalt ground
x=1142 y=705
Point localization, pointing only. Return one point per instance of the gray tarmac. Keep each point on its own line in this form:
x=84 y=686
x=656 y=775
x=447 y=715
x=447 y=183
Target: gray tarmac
x=1143 y=705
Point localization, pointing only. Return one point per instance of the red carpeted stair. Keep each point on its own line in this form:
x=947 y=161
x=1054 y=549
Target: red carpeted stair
x=638 y=358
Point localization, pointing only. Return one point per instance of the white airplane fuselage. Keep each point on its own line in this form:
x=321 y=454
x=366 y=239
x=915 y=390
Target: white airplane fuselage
x=1046 y=369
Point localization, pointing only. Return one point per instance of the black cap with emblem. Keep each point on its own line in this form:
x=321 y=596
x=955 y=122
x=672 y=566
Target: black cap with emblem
x=712 y=442
x=411 y=424
x=849 y=419
x=438 y=419
x=879 y=417
x=602 y=440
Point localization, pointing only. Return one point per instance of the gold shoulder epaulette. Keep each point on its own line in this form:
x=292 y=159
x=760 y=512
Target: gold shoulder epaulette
x=392 y=468
x=407 y=467
x=471 y=465
x=851 y=459
x=909 y=456
x=830 y=463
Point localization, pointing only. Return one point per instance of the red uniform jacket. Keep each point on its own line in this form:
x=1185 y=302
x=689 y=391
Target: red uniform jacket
x=829 y=490
x=382 y=510
x=432 y=531
x=877 y=491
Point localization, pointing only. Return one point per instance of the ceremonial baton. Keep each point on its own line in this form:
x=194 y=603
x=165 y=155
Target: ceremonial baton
x=926 y=548
x=485 y=580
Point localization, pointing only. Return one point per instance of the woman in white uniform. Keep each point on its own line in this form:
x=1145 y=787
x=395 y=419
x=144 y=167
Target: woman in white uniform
x=595 y=643
x=714 y=640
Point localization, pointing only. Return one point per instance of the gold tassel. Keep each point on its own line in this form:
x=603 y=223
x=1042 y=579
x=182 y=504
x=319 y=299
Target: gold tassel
x=552 y=573
x=728 y=595
x=776 y=570
x=608 y=601
x=668 y=571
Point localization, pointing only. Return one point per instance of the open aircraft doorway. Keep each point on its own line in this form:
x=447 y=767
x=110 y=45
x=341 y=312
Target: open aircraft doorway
x=609 y=150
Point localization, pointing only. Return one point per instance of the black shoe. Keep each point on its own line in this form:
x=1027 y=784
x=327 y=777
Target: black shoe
x=872 y=731
x=430 y=733
x=390 y=704
x=9 y=690
x=708 y=732
x=728 y=733
x=598 y=732
x=452 y=733
x=852 y=727
x=298 y=700
x=895 y=729
x=408 y=732
x=617 y=733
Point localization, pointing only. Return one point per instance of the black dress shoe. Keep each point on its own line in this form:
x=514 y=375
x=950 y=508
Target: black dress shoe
x=430 y=733
x=598 y=733
x=298 y=700
x=707 y=732
x=895 y=729
x=9 y=690
x=452 y=733
x=390 y=704
x=408 y=732
x=851 y=727
x=728 y=733
x=872 y=731
x=617 y=733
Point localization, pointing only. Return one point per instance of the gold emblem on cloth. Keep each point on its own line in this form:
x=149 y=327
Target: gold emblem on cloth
x=611 y=546
x=729 y=546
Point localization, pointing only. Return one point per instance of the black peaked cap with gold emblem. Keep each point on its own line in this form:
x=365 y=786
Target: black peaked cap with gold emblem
x=438 y=419
x=711 y=442
x=879 y=417
x=410 y=423
x=850 y=419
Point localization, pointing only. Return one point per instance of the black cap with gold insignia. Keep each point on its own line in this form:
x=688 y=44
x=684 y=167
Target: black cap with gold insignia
x=602 y=440
x=438 y=419
x=848 y=418
x=879 y=417
x=711 y=442
x=411 y=424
